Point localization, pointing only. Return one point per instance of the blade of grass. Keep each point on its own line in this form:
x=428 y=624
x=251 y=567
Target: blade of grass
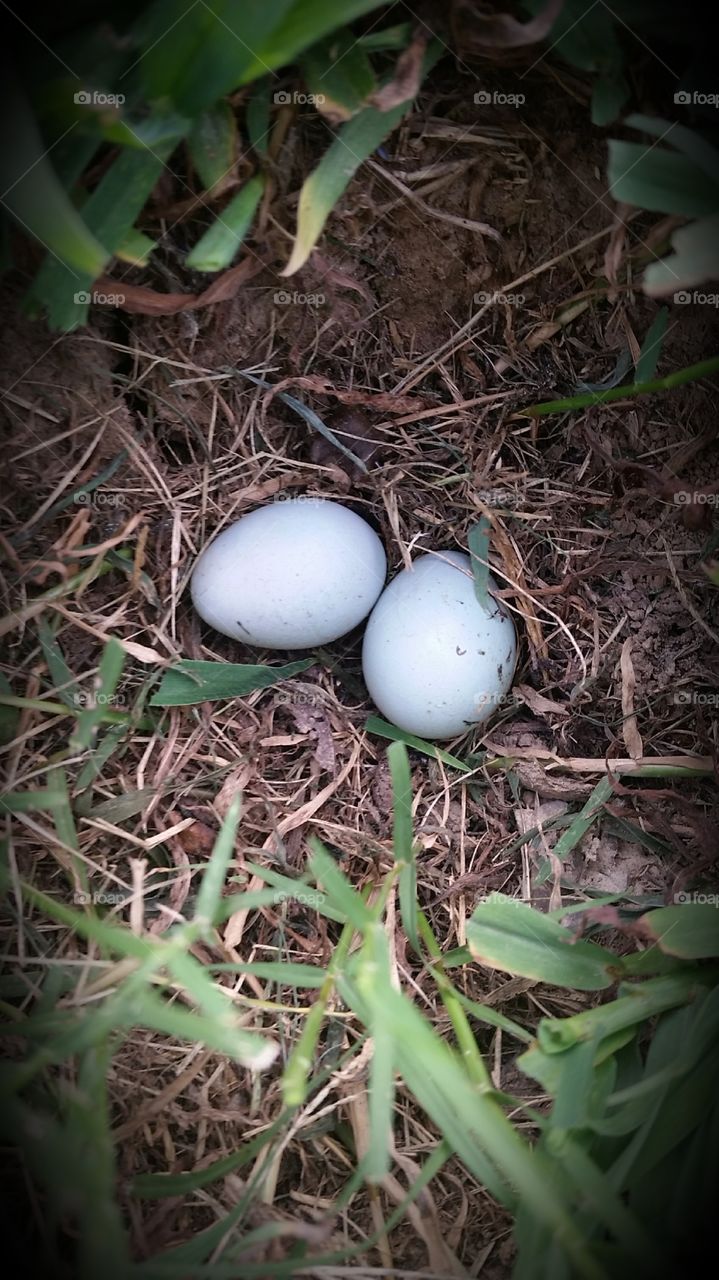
x=295 y=1086
x=587 y=816
x=212 y=143
x=652 y=347
x=213 y=880
x=60 y=674
x=478 y=543
x=677 y=379
x=103 y=1243
x=111 y=668
x=507 y=934
x=337 y=887
x=190 y=682
x=373 y=978
x=217 y=248
x=403 y=844
x=374 y=724
x=35 y=197
x=353 y=144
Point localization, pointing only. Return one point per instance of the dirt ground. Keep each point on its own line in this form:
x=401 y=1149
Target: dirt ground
x=599 y=550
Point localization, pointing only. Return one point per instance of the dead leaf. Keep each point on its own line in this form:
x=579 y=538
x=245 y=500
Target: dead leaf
x=502 y=31
x=199 y=838
x=139 y=300
x=406 y=79
x=630 y=732
x=380 y=401
x=540 y=705
x=312 y=720
x=233 y=786
x=342 y=279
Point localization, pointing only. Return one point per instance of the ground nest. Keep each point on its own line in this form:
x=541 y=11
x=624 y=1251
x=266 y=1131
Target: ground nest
x=595 y=545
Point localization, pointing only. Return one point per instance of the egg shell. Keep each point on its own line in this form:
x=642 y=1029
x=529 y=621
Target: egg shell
x=290 y=575
x=435 y=660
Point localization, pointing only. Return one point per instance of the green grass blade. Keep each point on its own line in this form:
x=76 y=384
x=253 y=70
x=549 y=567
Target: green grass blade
x=338 y=888
x=103 y=1244
x=110 y=212
x=295 y=1080
x=305 y=22
x=652 y=347
x=472 y=1058
x=688 y=141
x=135 y=248
x=375 y=724
x=213 y=880
x=60 y=674
x=506 y=934
x=690 y=931
x=34 y=196
x=190 y=682
x=587 y=816
x=217 y=248
x=641 y=1001
x=257 y=117
x=660 y=180
x=374 y=981
x=292 y=889
x=404 y=854
x=212 y=144
x=196 y=53
x=478 y=543
x=703 y=369
x=217 y=1023
x=158 y=1186
x=111 y=668
x=339 y=74
x=353 y=144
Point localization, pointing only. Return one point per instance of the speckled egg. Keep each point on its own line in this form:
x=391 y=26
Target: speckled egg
x=435 y=660
x=291 y=575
